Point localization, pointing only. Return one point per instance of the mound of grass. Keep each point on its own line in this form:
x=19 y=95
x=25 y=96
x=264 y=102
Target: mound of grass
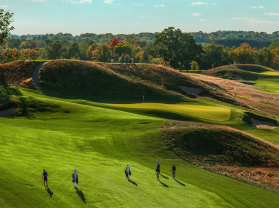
x=87 y=80
x=207 y=144
x=9 y=97
x=173 y=80
x=233 y=72
x=17 y=72
x=238 y=71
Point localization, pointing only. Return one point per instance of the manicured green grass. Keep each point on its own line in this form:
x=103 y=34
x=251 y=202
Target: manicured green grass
x=268 y=82
x=99 y=143
x=204 y=112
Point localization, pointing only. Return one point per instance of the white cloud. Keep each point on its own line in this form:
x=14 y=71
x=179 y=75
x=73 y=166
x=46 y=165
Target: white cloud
x=199 y=3
x=214 y=4
x=39 y=0
x=196 y=14
x=138 y=4
x=257 y=7
x=161 y=5
x=203 y=20
x=253 y=20
x=272 y=14
x=108 y=1
x=79 y=2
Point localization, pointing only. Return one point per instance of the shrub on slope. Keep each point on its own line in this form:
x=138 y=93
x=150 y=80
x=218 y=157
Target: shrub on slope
x=86 y=79
x=9 y=97
x=17 y=72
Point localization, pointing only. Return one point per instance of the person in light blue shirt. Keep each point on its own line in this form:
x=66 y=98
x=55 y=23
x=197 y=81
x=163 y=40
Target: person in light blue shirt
x=158 y=163
x=127 y=172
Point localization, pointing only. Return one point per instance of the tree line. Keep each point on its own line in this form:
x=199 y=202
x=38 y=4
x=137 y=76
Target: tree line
x=171 y=47
x=192 y=56
x=225 y=38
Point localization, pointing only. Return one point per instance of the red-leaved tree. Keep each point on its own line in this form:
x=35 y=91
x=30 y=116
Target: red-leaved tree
x=113 y=43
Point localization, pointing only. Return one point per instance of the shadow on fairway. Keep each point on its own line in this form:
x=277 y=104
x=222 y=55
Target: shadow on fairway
x=164 y=184
x=132 y=182
x=182 y=184
x=164 y=176
x=81 y=195
x=49 y=192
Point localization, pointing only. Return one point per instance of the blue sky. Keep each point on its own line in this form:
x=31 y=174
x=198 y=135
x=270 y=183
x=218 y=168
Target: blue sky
x=134 y=16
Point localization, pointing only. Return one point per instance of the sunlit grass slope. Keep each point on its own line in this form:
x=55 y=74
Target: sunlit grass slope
x=213 y=113
x=99 y=143
x=264 y=78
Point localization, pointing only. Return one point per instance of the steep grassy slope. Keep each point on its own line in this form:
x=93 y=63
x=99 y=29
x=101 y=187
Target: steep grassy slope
x=99 y=142
x=219 y=145
x=80 y=79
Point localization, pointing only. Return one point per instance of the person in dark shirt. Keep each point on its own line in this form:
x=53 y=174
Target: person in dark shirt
x=173 y=171
x=44 y=176
x=158 y=172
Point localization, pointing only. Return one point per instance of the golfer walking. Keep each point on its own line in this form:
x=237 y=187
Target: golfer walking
x=75 y=178
x=127 y=172
x=158 y=172
x=173 y=171
x=44 y=176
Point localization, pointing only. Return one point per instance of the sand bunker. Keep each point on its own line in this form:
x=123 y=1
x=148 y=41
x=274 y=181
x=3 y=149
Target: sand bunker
x=263 y=124
x=8 y=113
x=191 y=90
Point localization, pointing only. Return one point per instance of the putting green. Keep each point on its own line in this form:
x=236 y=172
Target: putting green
x=213 y=113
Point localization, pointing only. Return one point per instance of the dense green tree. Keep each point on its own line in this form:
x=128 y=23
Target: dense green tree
x=213 y=56
x=56 y=50
x=104 y=52
x=13 y=43
x=175 y=47
x=263 y=57
x=5 y=21
x=122 y=48
x=73 y=51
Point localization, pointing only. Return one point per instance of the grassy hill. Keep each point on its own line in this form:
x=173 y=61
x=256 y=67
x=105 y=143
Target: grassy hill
x=206 y=134
x=264 y=78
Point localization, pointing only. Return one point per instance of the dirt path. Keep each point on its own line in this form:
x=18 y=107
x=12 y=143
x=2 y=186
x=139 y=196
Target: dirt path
x=36 y=75
x=7 y=113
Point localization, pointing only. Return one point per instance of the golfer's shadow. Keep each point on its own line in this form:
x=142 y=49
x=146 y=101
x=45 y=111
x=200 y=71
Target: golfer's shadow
x=164 y=176
x=133 y=182
x=182 y=184
x=81 y=195
x=49 y=192
x=164 y=184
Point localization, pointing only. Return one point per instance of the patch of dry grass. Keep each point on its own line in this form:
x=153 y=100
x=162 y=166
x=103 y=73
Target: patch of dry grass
x=262 y=102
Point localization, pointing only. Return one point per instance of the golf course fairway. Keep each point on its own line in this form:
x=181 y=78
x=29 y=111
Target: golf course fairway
x=99 y=143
